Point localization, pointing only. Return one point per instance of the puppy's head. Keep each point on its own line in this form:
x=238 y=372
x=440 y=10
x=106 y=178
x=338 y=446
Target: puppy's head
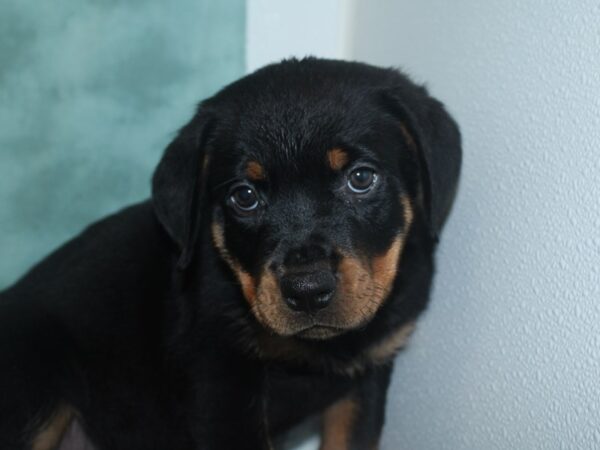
x=310 y=176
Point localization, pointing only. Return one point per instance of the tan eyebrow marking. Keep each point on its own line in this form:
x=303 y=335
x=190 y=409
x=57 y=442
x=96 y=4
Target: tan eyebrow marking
x=337 y=158
x=255 y=171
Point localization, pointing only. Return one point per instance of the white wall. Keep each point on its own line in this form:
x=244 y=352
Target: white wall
x=508 y=355
x=277 y=29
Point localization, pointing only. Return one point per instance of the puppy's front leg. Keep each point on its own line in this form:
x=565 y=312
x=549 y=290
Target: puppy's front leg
x=229 y=410
x=355 y=421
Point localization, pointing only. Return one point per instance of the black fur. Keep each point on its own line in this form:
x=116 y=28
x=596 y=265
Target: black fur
x=140 y=326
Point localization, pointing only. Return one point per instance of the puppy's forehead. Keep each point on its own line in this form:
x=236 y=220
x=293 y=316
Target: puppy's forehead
x=294 y=136
x=289 y=116
x=302 y=124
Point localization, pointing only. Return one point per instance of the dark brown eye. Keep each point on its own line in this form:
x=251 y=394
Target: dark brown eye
x=244 y=199
x=361 y=180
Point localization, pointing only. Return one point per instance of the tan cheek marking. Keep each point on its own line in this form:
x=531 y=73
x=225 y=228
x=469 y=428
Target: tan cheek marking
x=268 y=285
x=354 y=279
x=385 y=266
x=263 y=295
x=50 y=435
x=337 y=158
x=352 y=272
x=338 y=422
x=383 y=351
x=247 y=282
x=255 y=171
x=365 y=286
x=248 y=286
x=219 y=240
x=408 y=213
x=360 y=293
x=270 y=308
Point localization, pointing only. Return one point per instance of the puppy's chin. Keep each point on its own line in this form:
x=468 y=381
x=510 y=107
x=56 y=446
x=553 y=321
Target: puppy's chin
x=326 y=324
x=301 y=329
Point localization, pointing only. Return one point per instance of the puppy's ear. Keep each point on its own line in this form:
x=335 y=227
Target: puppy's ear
x=438 y=144
x=178 y=185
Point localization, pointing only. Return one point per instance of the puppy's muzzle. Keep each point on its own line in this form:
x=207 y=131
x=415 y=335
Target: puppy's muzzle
x=308 y=281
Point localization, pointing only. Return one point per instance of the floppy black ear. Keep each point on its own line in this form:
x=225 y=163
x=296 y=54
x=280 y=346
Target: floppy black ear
x=438 y=143
x=178 y=185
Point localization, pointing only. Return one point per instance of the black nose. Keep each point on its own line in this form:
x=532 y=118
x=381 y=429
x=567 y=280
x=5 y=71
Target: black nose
x=309 y=291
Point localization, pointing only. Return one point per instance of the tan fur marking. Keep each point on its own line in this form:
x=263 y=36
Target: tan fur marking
x=412 y=145
x=362 y=288
x=248 y=286
x=337 y=158
x=269 y=308
x=385 y=266
x=51 y=433
x=360 y=295
x=408 y=136
x=205 y=162
x=385 y=350
x=338 y=421
x=353 y=273
x=255 y=171
x=218 y=236
x=409 y=215
x=268 y=285
x=246 y=281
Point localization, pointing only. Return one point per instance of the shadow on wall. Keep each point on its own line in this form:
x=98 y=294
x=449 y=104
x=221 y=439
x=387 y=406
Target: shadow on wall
x=90 y=93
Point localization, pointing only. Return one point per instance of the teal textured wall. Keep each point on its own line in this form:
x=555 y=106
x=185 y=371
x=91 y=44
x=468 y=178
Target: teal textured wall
x=90 y=94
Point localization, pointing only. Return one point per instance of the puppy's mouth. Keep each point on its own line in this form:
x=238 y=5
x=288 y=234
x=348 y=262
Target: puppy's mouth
x=320 y=332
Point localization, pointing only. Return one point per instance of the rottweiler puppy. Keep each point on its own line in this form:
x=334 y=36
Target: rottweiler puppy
x=281 y=263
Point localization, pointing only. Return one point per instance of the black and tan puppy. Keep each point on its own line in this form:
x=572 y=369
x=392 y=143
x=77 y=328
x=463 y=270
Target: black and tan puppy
x=281 y=263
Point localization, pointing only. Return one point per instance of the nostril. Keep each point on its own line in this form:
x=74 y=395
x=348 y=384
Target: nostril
x=321 y=301
x=308 y=291
x=293 y=303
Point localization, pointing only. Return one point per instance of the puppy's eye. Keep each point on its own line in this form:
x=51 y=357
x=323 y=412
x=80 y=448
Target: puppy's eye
x=362 y=180
x=244 y=199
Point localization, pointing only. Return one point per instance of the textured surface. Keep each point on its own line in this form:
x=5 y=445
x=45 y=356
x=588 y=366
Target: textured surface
x=90 y=93
x=508 y=355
